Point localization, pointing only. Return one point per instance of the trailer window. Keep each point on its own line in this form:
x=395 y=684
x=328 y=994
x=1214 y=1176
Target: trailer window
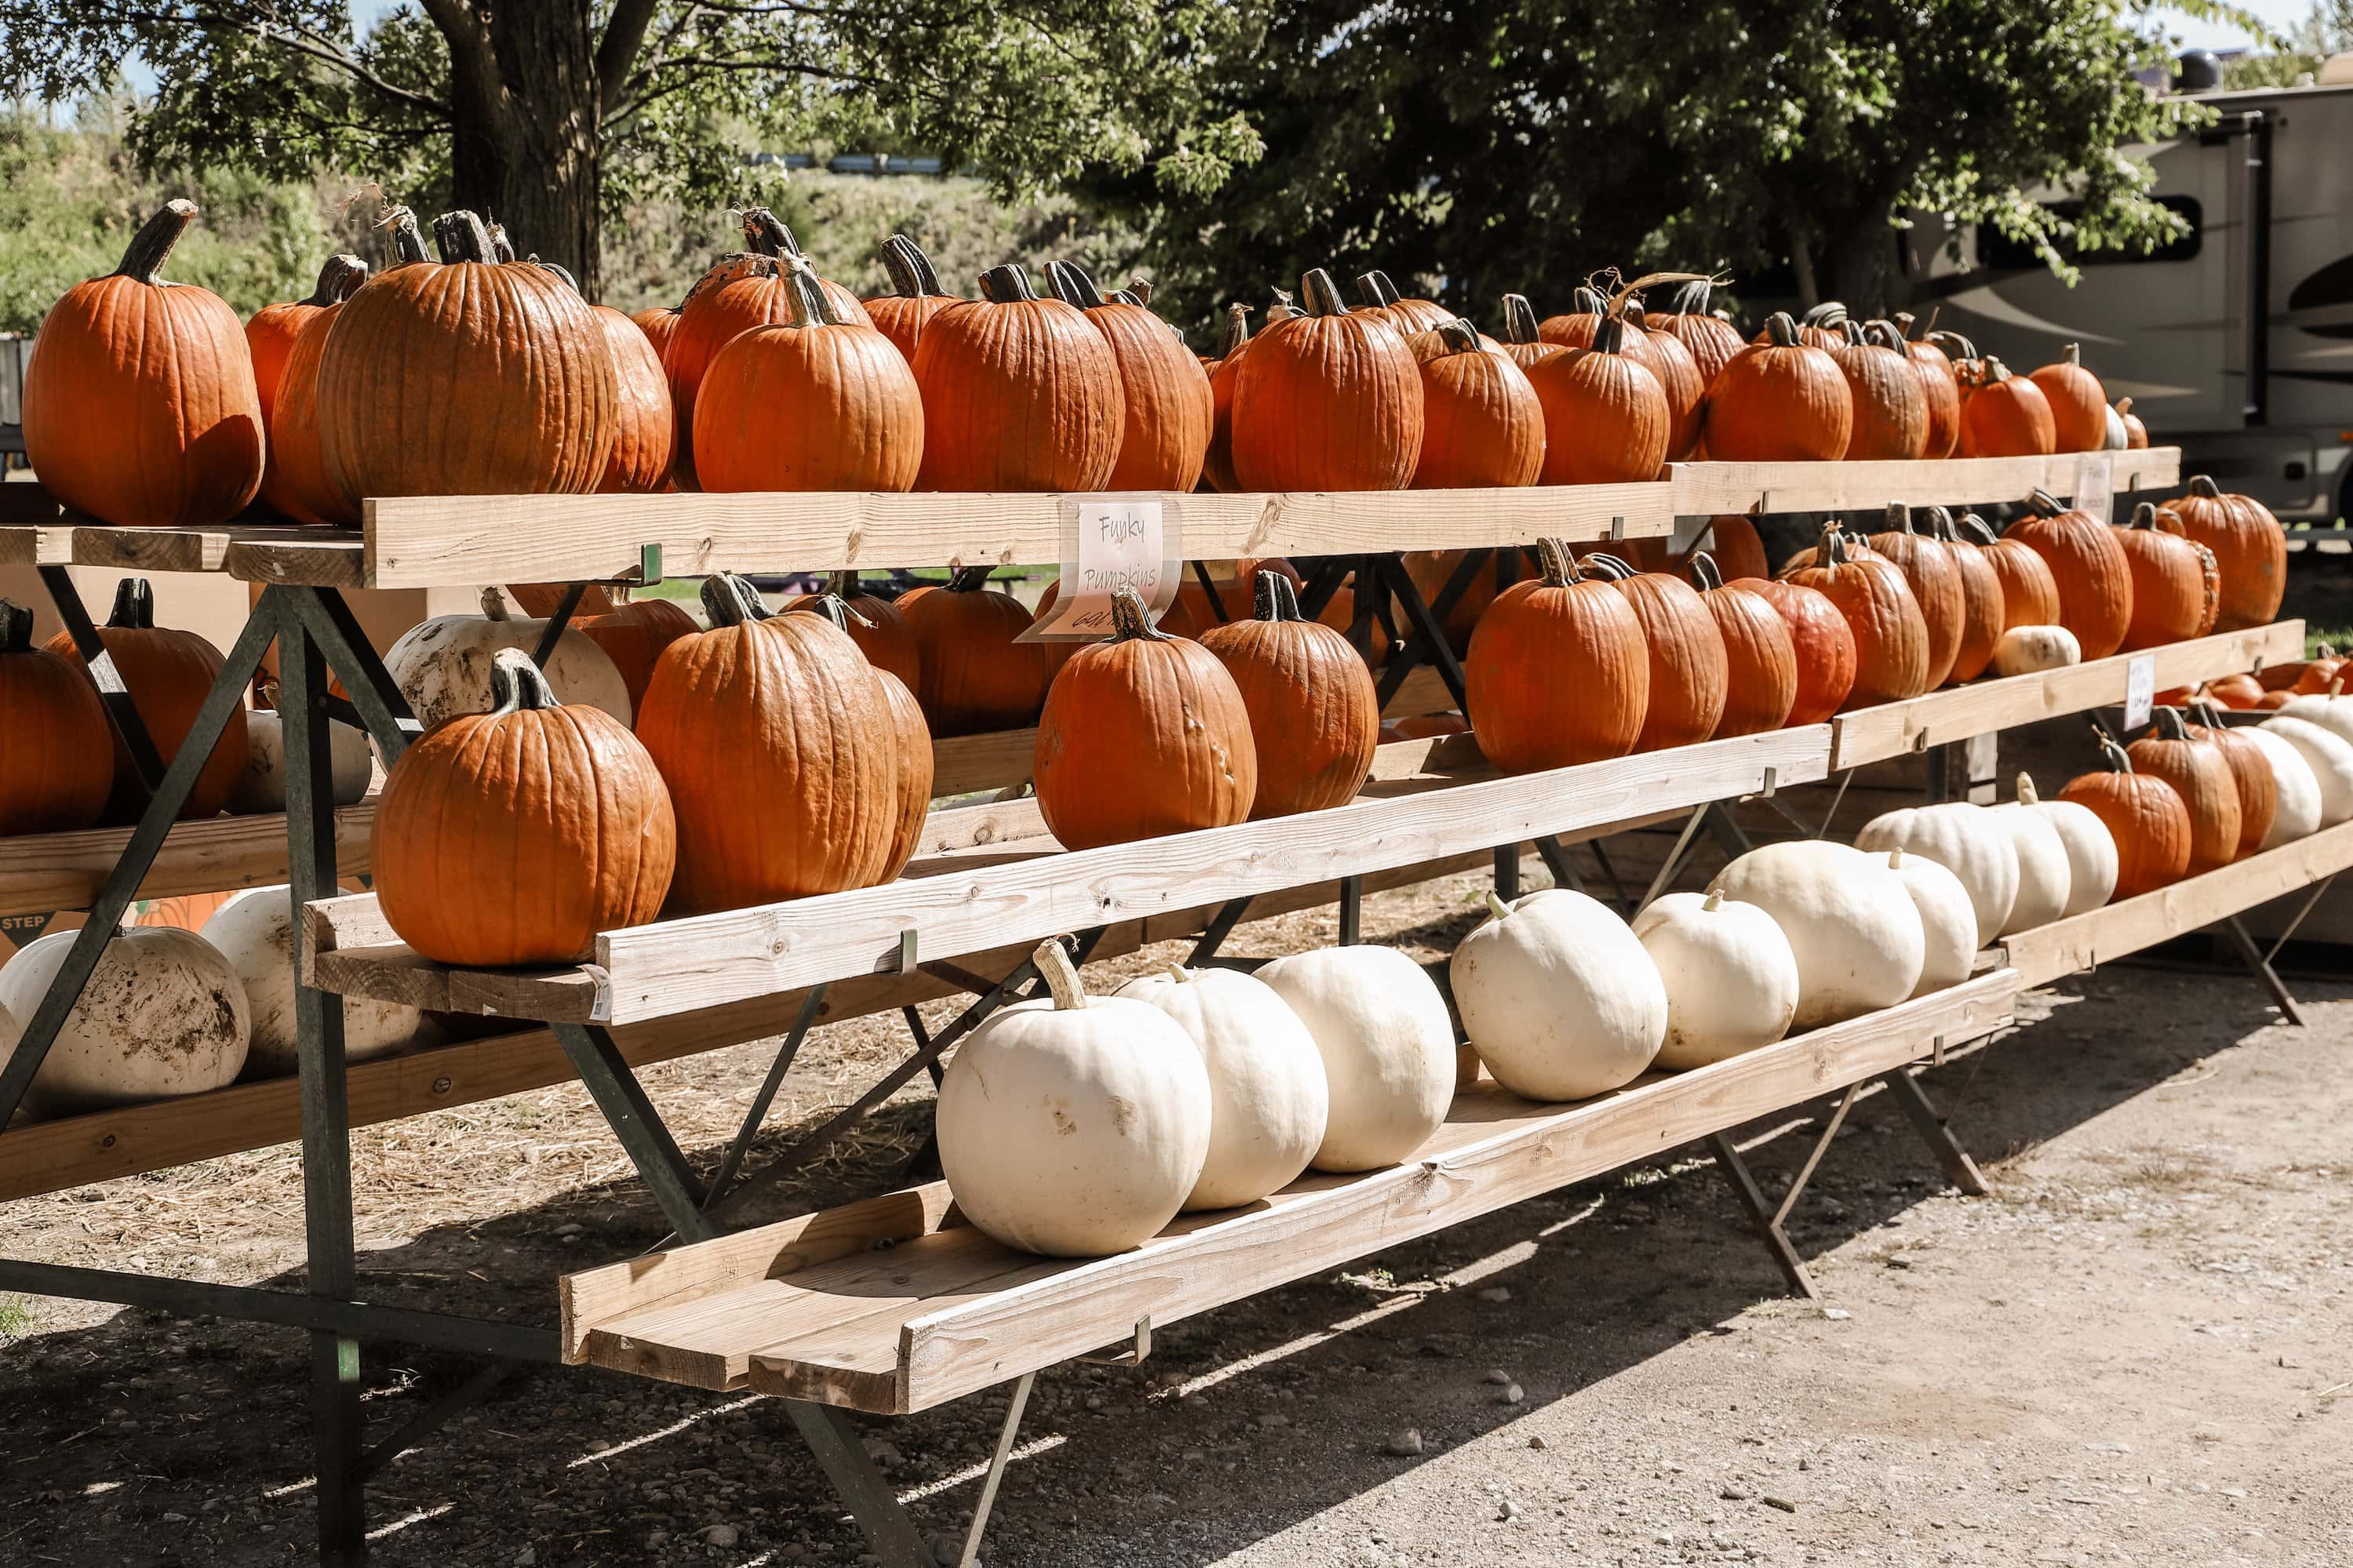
x=1997 y=249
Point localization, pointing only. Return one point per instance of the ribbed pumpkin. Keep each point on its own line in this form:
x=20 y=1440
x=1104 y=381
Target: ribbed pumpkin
x=975 y=676
x=1678 y=375
x=874 y=624
x=2030 y=594
x=1225 y=370
x=1315 y=717
x=270 y=331
x=1408 y=315
x=1738 y=548
x=1575 y=327
x=1822 y=325
x=2175 y=586
x=1019 y=393
x=1891 y=638
x=1927 y=566
x=660 y=324
x=472 y=377
x=1939 y=384
x=909 y=734
x=1144 y=734
x=634 y=637
x=1821 y=641
x=2145 y=816
x=2135 y=432
x=140 y=407
x=2079 y=404
x=643 y=425
x=1605 y=417
x=2251 y=775
x=1688 y=664
x=1163 y=391
x=168 y=674
x=57 y=767
x=1330 y=400
x=914 y=299
x=1523 y=339
x=2250 y=550
x=1557 y=674
x=1760 y=660
x=784 y=711
x=294 y=483
x=1983 y=619
x=1779 y=401
x=516 y=835
x=1711 y=339
x=2005 y=416
x=2096 y=585
x=1890 y=406
x=2201 y=775
x=818 y=402
x=1482 y=422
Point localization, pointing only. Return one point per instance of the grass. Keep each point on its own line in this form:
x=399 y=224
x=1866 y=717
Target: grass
x=18 y=1318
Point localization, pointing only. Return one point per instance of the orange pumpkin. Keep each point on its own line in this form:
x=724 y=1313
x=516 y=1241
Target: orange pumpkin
x=2239 y=691
x=1761 y=659
x=643 y=427
x=2250 y=550
x=2250 y=776
x=2096 y=585
x=1711 y=339
x=914 y=299
x=1678 y=375
x=58 y=767
x=1738 y=548
x=660 y=324
x=1169 y=410
x=1482 y=422
x=1019 y=393
x=634 y=637
x=909 y=734
x=1218 y=465
x=2030 y=594
x=1983 y=610
x=2079 y=404
x=2145 y=818
x=2174 y=583
x=1315 y=717
x=1939 y=384
x=1330 y=400
x=975 y=676
x=516 y=835
x=2318 y=675
x=294 y=483
x=1781 y=400
x=1821 y=642
x=2201 y=775
x=1557 y=674
x=875 y=625
x=168 y=674
x=1576 y=327
x=1605 y=417
x=270 y=331
x=1891 y=638
x=2135 y=432
x=1689 y=666
x=1890 y=404
x=2005 y=416
x=1408 y=315
x=1936 y=583
x=140 y=407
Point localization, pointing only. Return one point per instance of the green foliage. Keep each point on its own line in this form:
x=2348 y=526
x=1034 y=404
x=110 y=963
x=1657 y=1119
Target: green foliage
x=2326 y=30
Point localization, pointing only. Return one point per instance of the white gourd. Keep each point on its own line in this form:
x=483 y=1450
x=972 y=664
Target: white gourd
x=2296 y=786
x=2328 y=756
x=2332 y=712
x=1730 y=977
x=1268 y=1103
x=2115 y=437
x=2045 y=871
x=1948 y=921
x=262 y=786
x=254 y=932
x=163 y=1016
x=1387 y=1045
x=1073 y=1126
x=1966 y=840
x=2091 y=848
x=1558 y=997
x=2030 y=650
x=1850 y=923
x=443 y=665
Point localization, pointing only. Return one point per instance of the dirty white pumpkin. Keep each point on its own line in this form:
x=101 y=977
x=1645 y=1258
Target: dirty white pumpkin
x=262 y=785
x=254 y=932
x=2328 y=756
x=2332 y=712
x=443 y=665
x=2045 y=873
x=1387 y=1047
x=2029 y=651
x=1073 y=1126
x=1730 y=977
x=1558 y=998
x=1267 y=1098
x=2090 y=848
x=1965 y=838
x=1851 y=924
x=163 y=1015
x=1948 y=921
x=2295 y=785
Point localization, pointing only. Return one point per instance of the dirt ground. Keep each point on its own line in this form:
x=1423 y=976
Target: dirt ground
x=2139 y=1351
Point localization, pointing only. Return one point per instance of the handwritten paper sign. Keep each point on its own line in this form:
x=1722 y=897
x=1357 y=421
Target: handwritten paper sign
x=2140 y=690
x=1110 y=544
x=2095 y=484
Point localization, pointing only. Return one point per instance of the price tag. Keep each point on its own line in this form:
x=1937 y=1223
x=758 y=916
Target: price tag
x=2140 y=690
x=1109 y=544
x=2095 y=484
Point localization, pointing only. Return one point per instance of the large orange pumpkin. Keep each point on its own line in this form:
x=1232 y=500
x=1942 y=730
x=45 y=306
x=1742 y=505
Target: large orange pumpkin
x=1678 y=375
x=1557 y=674
x=1574 y=327
x=294 y=484
x=634 y=637
x=914 y=299
x=1761 y=659
x=1821 y=641
x=1482 y=422
x=975 y=676
x=1983 y=619
x=1225 y=370
x=643 y=427
x=1891 y=636
x=1605 y=417
x=1890 y=404
x=2079 y=404
x=1689 y=667
x=58 y=765
x=2005 y=416
x=1938 y=383
x=2175 y=585
x=168 y=673
x=1163 y=391
x=874 y=624
x=2096 y=585
x=1329 y=400
x=516 y=835
x=1738 y=548
x=2250 y=551
x=1711 y=339
x=1408 y=315
x=1144 y=734
x=2145 y=818
x=140 y=407
x=1019 y=393
x=1935 y=582
x=660 y=324
x=1780 y=401
x=2251 y=772
x=909 y=733
x=2030 y=594
x=1315 y=717
x=270 y=331
x=2201 y=775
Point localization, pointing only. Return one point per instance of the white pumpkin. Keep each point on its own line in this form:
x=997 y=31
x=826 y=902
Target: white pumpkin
x=2334 y=714
x=2029 y=651
x=254 y=932
x=443 y=665
x=2114 y=436
x=2295 y=785
x=1073 y=1126
x=1965 y=838
x=9 y=1029
x=1267 y=1097
x=1387 y=1047
x=1948 y=921
x=262 y=785
x=163 y=1016
x=1558 y=998
x=2328 y=756
x=2045 y=872
x=2090 y=848
x=1730 y=977
x=1851 y=924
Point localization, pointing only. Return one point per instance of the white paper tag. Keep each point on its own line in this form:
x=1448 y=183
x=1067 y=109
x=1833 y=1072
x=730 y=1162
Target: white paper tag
x=2140 y=690
x=2095 y=484
x=1111 y=544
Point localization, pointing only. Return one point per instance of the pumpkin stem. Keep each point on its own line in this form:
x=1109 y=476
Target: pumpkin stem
x=494 y=605
x=517 y=684
x=810 y=307
x=2071 y=355
x=1940 y=524
x=1560 y=567
x=1833 y=551
x=1237 y=329
x=401 y=233
x=1899 y=513
x=460 y=236
x=1180 y=974
x=835 y=608
x=1006 y=285
x=1976 y=528
x=15 y=627
x=1323 y=295
x=1609 y=337
x=1496 y=907
x=1070 y=285
x=730 y=601
x=1612 y=568
x=2026 y=792
x=1951 y=341
x=969 y=579
x=765 y=234
x=1129 y=621
x=2168 y=724
x=912 y=276
x=563 y=273
x=844 y=584
x=1053 y=962
x=1780 y=331
x=144 y=257
x=1376 y=289
x=1829 y=313
x=1277 y=600
x=337 y=278
x=1901 y=321
x=2143 y=516
x=1281 y=309
x=1714 y=901
x=1895 y=859
x=1884 y=334
x=501 y=247
x=134 y=604
x=2118 y=761
x=1690 y=298
x=1994 y=371
x=1458 y=336
x=1705 y=571
x=2043 y=503
x=1520 y=321
x=2203 y=486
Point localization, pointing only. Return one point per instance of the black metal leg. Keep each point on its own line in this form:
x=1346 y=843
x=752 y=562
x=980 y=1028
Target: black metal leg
x=1959 y=1169
x=1507 y=871
x=1352 y=910
x=552 y=633
x=145 y=760
x=1557 y=860
x=1432 y=637
x=1217 y=600
x=1221 y=926
x=1322 y=584
x=383 y=710
x=2259 y=965
x=1761 y=1215
x=639 y=1127
x=842 y=1455
x=733 y=1160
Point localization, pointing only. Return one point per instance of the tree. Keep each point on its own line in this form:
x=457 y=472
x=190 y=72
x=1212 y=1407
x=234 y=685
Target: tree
x=550 y=113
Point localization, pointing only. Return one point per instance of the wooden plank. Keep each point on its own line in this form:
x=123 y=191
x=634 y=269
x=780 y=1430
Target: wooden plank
x=2069 y=946
x=334 y=559
x=40 y=872
x=1704 y=489
x=426 y=542
x=1893 y=728
x=35 y=544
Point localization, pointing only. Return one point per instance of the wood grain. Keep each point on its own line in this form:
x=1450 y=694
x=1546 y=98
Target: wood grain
x=35 y=544
x=40 y=872
x=1704 y=489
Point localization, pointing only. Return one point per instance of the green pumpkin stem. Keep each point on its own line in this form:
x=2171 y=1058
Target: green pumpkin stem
x=1520 y=321
x=1376 y=289
x=1070 y=283
x=1957 y=347
x=730 y=601
x=144 y=257
x=1006 y=285
x=1975 y=528
x=1613 y=568
x=460 y=236
x=810 y=307
x=1558 y=564
x=1705 y=571
x=1780 y=331
x=1609 y=337
x=765 y=234
x=1129 y=621
x=2169 y=726
x=134 y=604
x=1458 y=336
x=2043 y=503
x=2203 y=486
x=2143 y=516
x=518 y=686
x=1276 y=599
x=1899 y=518
x=912 y=276
x=15 y=627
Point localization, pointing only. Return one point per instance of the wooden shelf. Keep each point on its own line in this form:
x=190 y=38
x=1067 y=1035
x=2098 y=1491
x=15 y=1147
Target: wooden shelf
x=46 y=871
x=260 y=552
x=1705 y=490
x=810 y=1310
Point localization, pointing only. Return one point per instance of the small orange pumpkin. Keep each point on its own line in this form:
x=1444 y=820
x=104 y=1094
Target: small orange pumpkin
x=1936 y=583
x=2145 y=818
x=1891 y=638
x=1019 y=393
x=1557 y=674
x=2135 y=432
x=2175 y=586
x=644 y=427
x=1781 y=400
x=2095 y=583
x=294 y=483
x=1482 y=423
x=1169 y=409
x=1408 y=315
x=270 y=333
x=2005 y=416
x=2201 y=775
x=1983 y=614
x=973 y=676
x=1315 y=717
x=2030 y=594
x=59 y=764
x=909 y=734
x=1941 y=387
x=1761 y=659
x=2079 y=404
x=2251 y=774
x=1330 y=400
x=168 y=674
x=1689 y=666
x=2250 y=551
x=1891 y=405
x=1217 y=464
x=1821 y=641
x=1606 y=419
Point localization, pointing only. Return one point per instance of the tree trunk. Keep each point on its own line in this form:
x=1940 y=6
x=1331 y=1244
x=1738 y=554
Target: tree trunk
x=1861 y=264
x=1801 y=261
x=524 y=147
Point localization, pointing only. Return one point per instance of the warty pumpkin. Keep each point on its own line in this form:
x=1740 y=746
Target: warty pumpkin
x=633 y=637
x=874 y=624
x=1761 y=659
x=56 y=766
x=1167 y=408
x=2095 y=580
x=1938 y=384
x=1891 y=638
x=1781 y=400
x=1315 y=717
x=1890 y=404
x=516 y=835
x=294 y=482
x=168 y=673
x=1711 y=339
x=2250 y=550
x=1019 y=393
x=1557 y=674
x=1821 y=640
x=975 y=676
x=1935 y=582
x=2079 y=404
x=1330 y=400
x=1408 y=315
x=1688 y=663
x=2175 y=585
x=1982 y=614
x=2030 y=594
x=1482 y=422
x=1605 y=417
x=2201 y=775
x=270 y=331
x=2252 y=774
x=140 y=407
x=915 y=296
x=2145 y=818
x=2004 y=416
